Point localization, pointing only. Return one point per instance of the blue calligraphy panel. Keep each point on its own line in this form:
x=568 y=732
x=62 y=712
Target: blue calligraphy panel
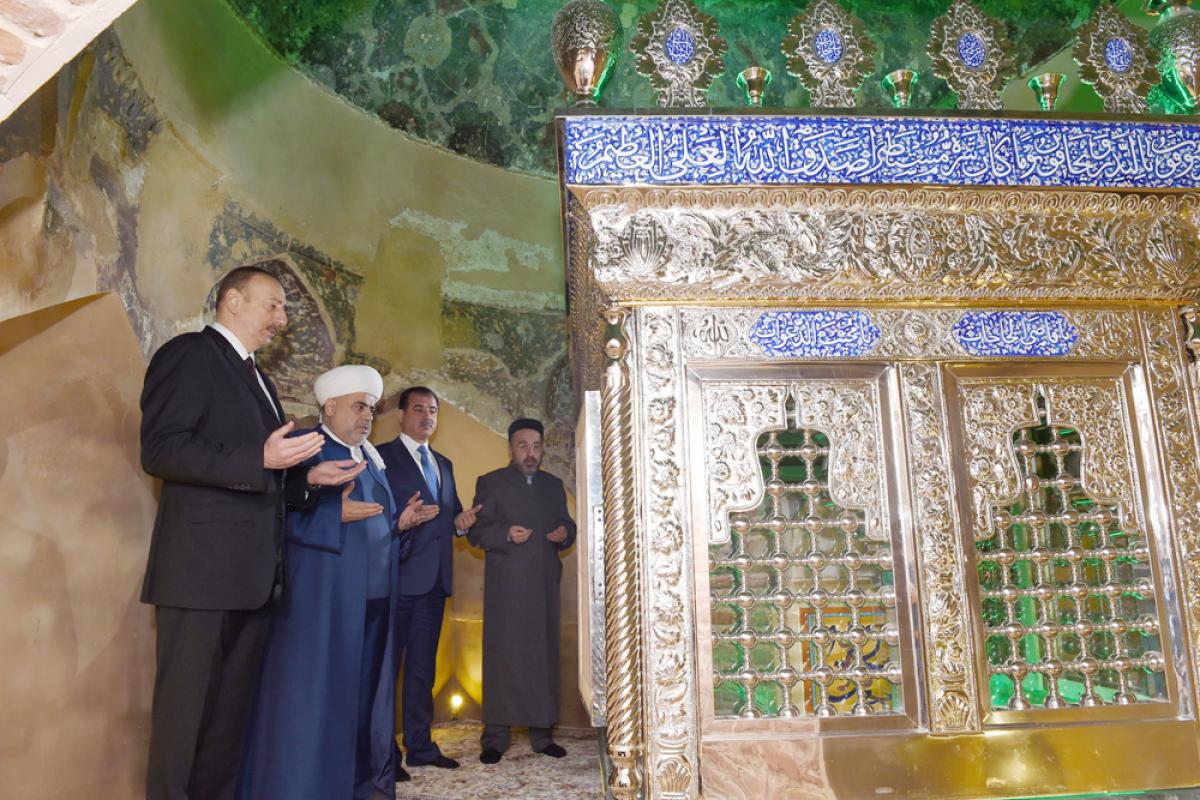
x=737 y=150
x=1016 y=333
x=815 y=334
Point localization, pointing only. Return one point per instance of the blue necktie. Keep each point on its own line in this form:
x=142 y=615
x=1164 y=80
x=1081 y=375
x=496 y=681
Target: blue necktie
x=427 y=468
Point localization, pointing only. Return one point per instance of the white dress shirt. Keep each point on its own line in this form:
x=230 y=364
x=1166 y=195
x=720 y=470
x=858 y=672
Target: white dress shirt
x=243 y=354
x=412 y=445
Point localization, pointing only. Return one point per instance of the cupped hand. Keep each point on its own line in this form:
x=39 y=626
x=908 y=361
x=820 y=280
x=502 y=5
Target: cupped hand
x=335 y=473
x=357 y=510
x=281 y=451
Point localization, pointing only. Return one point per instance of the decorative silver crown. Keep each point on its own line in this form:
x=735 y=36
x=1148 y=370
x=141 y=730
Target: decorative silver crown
x=679 y=49
x=971 y=52
x=829 y=51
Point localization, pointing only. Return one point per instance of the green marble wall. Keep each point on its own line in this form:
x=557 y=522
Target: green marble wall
x=478 y=78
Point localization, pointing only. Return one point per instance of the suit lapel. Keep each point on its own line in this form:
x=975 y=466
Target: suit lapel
x=442 y=471
x=271 y=416
x=409 y=464
x=277 y=407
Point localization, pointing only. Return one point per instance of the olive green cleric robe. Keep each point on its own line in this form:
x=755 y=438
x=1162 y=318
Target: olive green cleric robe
x=521 y=670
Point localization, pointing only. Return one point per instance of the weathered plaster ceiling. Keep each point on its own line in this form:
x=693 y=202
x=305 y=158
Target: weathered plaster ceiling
x=37 y=37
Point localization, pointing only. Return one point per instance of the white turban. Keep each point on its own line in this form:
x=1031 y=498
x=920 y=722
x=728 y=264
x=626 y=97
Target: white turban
x=351 y=379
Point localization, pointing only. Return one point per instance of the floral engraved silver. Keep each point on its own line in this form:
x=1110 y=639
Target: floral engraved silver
x=828 y=49
x=671 y=722
x=680 y=49
x=992 y=409
x=888 y=245
x=972 y=53
x=734 y=417
x=954 y=705
x=1176 y=412
x=1107 y=463
x=735 y=414
x=1115 y=57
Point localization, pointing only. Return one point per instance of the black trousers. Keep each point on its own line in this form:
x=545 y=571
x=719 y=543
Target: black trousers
x=208 y=668
x=418 y=628
x=499 y=737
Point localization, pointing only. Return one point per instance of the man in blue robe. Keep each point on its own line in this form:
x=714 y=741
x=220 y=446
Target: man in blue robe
x=324 y=725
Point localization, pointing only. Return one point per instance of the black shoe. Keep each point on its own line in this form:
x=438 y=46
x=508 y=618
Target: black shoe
x=402 y=775
x=491 y=756
x=553 y=750
x=437 y=761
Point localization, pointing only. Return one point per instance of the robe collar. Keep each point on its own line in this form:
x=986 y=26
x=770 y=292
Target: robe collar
x=358 y=451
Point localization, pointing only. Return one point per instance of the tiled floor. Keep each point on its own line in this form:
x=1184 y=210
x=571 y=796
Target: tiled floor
x=521 y=775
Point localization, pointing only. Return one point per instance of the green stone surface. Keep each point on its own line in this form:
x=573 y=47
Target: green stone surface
x=478 y=77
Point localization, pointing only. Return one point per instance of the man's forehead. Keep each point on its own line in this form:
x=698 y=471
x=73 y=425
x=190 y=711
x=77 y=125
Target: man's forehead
x=527 y=436
x=265 y=286
x=423 y=400
x=356 y=397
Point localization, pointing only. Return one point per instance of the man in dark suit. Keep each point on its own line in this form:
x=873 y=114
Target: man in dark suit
x=214 y=432
x=425 y=578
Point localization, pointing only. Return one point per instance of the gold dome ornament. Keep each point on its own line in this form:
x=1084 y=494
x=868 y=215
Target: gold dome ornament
x=1046 y=87
x=899 y=84
x=1177 y=37
x=754 y=81
x=1115 y=58
x=584 y=37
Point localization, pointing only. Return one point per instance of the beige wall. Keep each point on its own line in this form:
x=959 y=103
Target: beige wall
x=77 y=511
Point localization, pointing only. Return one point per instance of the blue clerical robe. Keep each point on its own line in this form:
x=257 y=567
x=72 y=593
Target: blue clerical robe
x=304 y=732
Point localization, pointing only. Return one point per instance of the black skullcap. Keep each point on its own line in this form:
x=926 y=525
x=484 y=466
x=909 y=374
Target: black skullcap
x=525 y=423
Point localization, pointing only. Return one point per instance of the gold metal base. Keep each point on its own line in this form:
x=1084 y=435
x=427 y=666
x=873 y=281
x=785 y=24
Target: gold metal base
x=1029 y=762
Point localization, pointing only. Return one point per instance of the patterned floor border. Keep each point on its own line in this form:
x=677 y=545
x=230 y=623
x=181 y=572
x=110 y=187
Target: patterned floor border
x=521 y=775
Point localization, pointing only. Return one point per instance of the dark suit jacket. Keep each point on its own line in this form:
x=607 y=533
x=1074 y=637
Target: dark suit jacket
x=433 y=542
x=218 y=536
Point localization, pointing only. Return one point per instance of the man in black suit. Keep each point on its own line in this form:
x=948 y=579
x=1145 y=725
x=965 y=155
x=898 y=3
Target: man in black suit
x=214 y=432
x=425 y=576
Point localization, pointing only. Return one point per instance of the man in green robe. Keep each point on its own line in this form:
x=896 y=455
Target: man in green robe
x=524 y=527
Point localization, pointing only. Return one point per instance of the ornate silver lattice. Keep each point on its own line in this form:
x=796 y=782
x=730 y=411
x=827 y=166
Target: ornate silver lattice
x=1067 y=592
x=803 y=603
